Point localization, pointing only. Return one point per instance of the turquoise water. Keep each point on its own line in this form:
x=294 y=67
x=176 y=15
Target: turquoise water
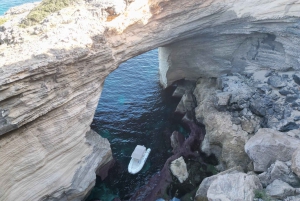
x=6 y=4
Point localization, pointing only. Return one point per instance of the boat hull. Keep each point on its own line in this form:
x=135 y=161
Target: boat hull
x=134 y=166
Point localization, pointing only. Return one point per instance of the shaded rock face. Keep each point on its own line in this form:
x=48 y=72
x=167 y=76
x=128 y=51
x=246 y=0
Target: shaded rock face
x=223 y=138
x=281 y=171
x=280 y=190
x=51 y=77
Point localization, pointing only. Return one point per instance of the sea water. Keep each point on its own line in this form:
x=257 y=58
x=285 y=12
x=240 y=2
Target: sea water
x=134 y=110
x=6 y=4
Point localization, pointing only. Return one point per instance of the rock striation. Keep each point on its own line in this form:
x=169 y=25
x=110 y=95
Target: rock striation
x=52 y=73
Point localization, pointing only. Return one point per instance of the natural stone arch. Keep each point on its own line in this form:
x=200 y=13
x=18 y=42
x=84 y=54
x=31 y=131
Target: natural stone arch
x=50 y=86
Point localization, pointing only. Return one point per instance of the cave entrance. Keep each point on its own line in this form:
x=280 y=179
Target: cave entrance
x=134 y=109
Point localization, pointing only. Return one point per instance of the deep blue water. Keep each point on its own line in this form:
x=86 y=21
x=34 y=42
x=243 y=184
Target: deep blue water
x=6 y=4
x=134 y=109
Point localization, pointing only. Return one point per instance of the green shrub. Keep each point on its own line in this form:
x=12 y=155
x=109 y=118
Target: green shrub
x=262 y=195
x=45 y=8
x=2 y=20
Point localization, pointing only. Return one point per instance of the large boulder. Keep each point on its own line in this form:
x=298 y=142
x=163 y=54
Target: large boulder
x=280 y=190
x=234 y=187
x=201 y=194
x=279 y=170
x=269 y=145
x=178 y=169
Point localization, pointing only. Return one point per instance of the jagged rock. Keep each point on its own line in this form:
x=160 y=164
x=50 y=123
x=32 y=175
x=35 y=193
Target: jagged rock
x=285 y=91
x=276 y=81
x=178 y=169
x=222 y=99
x=292 y=198
x=281 y=171
x=280 y=190
x=290 y=98
x=177 y=140
x=201 y=193
x=248 y=125
x=186 y=104
x=183 y=86
x=296 y=162
x=223 y=138
x=234 y=187
x=269 y=145
x=296 y=78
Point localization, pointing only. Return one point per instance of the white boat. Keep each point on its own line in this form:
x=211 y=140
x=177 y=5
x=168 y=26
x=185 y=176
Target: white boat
x=138 y=159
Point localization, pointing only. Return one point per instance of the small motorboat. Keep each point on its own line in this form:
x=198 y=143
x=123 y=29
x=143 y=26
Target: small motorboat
x=138 y=159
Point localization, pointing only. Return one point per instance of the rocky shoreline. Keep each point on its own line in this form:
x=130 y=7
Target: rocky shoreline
x=251 y=123
x=251 y=127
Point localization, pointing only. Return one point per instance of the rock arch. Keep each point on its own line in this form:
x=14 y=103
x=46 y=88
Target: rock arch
x=51 y=76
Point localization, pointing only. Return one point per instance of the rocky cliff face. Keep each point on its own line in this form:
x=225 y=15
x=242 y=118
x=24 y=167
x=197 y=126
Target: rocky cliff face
x=51 y=75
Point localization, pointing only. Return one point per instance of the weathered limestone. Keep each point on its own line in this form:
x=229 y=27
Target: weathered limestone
x=51 y=77
x=296 y=162
x=178 y=169
x=233 y=187
x=281 y=171
x=201 y=194
x=223 y=138
x=280 y=190
x=268 y=145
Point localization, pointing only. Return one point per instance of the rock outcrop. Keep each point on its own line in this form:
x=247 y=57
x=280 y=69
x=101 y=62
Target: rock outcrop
x=281 y=171
x=51 y=77
x=231 y=186
x=268 y=145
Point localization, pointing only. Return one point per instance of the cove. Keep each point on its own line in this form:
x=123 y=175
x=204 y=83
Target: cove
x=134 y=109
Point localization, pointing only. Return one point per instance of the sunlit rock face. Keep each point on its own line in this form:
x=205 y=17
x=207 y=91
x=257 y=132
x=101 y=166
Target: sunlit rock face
x=51 y=75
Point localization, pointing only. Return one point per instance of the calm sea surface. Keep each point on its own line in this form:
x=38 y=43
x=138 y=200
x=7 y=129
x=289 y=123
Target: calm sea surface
x=6 y=4
x=133 y=110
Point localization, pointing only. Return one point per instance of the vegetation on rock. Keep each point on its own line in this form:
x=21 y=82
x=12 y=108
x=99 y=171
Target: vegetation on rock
x=45 y=8
x=2 y=20
x=262 y=195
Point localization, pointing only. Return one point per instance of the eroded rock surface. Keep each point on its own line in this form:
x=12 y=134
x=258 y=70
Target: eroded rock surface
x=51 y=77
x=234 y=187
x=281 y=171
x=268 y=145
x=178 y=169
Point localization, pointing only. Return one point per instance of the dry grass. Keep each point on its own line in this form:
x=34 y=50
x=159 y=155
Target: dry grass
x=45 y=8
x=2 y=20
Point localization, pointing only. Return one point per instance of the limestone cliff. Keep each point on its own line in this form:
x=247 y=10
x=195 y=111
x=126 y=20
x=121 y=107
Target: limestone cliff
x=51 y=75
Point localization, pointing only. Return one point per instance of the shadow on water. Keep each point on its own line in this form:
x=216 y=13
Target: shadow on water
x=134 y=109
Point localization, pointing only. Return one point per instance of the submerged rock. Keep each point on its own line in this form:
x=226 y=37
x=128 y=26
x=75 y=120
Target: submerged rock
x=178 y=169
